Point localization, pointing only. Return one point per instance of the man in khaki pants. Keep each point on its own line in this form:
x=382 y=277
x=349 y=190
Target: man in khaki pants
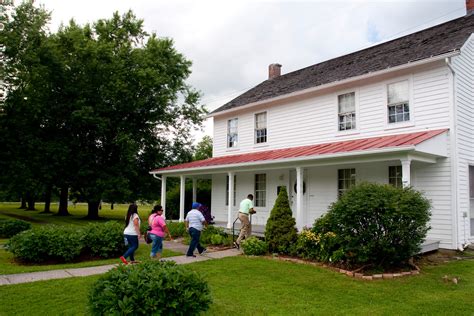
x=246 y=208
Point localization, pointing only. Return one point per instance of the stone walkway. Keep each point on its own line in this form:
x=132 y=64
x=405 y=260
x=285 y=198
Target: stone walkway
x=8 y=279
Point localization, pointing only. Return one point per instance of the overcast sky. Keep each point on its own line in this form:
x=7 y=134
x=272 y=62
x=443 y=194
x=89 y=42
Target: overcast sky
x=231 y=43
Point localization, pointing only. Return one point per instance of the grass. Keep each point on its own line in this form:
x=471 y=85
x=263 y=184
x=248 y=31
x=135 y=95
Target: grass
x=10 y=210
x=256 y=286
x=9 y=266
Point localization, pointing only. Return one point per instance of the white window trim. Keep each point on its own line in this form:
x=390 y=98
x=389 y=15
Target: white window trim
x=255 y=127
x=227 y=134
x=411 y=122
x=357 y=112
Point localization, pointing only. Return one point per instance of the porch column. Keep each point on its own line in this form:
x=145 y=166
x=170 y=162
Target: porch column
x=406 y=176
x=194 y=189
x=163 y=195
x=231 y=199
x=181 y=198
x=299 y=198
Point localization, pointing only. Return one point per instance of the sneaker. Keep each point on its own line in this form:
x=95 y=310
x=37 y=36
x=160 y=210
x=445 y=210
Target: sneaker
x=191 y=256
x=134 y=262
x=124 y=261
x=203 y=252
x=236 y=245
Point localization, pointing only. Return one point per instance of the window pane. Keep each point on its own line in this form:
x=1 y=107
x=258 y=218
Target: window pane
x=346 y=102
x=398 y=92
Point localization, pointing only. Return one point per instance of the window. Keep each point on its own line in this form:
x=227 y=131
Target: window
x=471 y=182
x=346 y=180
x=227 y=190
x=395 y=176
x=397 y=99
x=260 y=190
x=232 y=133
x=261 y=128
x=347 y=115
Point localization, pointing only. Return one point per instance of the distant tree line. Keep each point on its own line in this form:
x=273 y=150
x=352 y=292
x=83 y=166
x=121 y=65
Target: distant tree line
x=90 y=109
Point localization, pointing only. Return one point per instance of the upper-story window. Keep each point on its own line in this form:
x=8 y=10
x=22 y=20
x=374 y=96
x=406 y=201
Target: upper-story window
x=232 y=133
x=346 y=112
x=261 y=128
x=397 y=102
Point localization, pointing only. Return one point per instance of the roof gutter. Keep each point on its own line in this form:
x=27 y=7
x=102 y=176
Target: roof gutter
x=287 y=160
x=337 y=83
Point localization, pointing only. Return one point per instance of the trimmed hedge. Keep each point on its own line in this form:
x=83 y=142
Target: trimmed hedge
x=150 y=288
x=66 y=243
x=47 y=243
x=177 y=229
x=11 y=227
x=373 y=224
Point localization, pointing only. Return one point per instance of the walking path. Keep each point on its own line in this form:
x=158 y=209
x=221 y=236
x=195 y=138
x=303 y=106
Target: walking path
x=8 y=279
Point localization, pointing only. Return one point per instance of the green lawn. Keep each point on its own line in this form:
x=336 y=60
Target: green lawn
x=10 y=210
x=255 y=286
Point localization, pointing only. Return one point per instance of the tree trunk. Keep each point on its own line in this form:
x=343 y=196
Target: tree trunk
x=23 y=203
x=63 y=195
x=112 y=205
x=30 y=201
x=93 y=209
x=47 y=201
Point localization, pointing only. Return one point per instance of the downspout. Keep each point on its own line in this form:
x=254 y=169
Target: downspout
x=454 y=153
x=156 y=177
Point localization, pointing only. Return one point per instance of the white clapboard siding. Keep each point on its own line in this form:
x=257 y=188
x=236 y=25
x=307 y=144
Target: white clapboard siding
x=314 y=120
x=464 y=97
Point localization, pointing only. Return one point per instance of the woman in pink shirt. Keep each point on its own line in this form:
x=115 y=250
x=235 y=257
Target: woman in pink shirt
x=158 y=231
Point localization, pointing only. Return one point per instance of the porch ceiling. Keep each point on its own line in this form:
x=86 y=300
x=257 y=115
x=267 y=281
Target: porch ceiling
x=423 y=146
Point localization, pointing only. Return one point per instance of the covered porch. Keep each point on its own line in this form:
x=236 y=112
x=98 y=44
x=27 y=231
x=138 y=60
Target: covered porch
x=312 y=174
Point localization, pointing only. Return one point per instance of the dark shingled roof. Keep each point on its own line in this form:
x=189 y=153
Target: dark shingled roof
x=437 y=40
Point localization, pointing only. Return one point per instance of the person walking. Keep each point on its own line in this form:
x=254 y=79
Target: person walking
x=131 y=233
x=246 y=208
x=195 y=223
x=158 y=231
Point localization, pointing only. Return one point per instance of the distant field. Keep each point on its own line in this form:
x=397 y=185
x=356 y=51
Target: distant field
x=78 y=212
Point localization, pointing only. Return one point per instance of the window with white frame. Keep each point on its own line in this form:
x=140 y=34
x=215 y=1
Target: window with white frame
x=232 y=133
x=397 y=102
x=260 y=190
x=395 y=176
x=345 y=180
x=261 y=128
x=227 y=190
x=346 y=111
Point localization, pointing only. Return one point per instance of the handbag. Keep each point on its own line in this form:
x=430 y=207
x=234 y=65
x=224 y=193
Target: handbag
x=148 y=240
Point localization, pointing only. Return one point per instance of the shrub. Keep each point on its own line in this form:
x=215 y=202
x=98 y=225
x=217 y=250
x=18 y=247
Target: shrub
x=150 y=288
x=11 y=227
x=254 y=246
x=214 y=235
x=374 y=224
x=47 y=243
x=280 y=231
x=177 y=229
x=104 y=240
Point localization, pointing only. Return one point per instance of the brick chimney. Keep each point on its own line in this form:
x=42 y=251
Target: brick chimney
x=274 y=70
x=469 y=7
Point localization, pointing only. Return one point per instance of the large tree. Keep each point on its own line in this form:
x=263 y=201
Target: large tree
x=132 y=109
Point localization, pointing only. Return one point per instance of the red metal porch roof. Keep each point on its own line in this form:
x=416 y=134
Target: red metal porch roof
x=390 y=141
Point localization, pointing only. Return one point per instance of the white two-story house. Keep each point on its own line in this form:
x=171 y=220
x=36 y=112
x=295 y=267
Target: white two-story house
x=401 y=112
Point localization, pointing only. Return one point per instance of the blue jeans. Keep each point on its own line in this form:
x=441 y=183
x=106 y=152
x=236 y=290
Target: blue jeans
x=132 y=246
x=195 y=235
x=157 y=245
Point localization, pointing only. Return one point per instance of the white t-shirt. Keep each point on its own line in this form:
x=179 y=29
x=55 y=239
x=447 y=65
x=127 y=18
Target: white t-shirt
x=195 y=219
x=130 y=229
